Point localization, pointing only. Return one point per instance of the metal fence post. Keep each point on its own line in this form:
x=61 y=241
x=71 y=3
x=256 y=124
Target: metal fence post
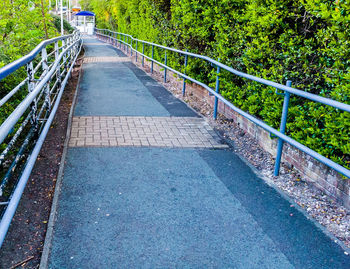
x=45 y=68
x=64 y=56
x=143 y=52
x=127 y=46
x=31 y=86
x=152 y=59
x=165 y=63
x=136 y=50
x=131 y=47
x=124 y=42
x=215 y=115
x=67 y=56
x=184 y=83
x=282 y=129
x=58 y=69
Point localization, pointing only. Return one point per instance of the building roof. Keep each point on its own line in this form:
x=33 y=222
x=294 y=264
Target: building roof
x=85 y=13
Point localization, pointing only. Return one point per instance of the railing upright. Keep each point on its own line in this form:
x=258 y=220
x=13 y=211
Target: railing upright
x=184 y=82
x=287 y=89
x=45 y=68
x=127 y=47
x=152 y=59
x=282 y=129
x=143 y=52
x=131 y=47
x=165 y=63
x=215 y=114
x=136 y=50
x=58 y=69
x=31 y=86
x=42 y=102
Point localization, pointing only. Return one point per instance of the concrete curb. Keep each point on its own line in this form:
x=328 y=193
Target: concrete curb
x=53 y=212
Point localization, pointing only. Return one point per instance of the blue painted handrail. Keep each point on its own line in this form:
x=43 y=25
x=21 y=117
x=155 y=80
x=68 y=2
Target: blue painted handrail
x=12 y=67
x=45 y=84
x=287 y=89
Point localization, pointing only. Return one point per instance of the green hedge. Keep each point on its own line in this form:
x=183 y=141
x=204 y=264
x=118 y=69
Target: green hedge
x=306 y=41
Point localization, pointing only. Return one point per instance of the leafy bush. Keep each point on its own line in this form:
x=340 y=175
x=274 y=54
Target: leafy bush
x=306 y=41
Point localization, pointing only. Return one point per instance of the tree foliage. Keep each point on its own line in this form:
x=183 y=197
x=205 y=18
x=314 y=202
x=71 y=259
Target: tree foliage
x=306 y=41
x=23 y=25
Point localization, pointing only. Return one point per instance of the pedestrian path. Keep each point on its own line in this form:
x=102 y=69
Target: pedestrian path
x=149 y=184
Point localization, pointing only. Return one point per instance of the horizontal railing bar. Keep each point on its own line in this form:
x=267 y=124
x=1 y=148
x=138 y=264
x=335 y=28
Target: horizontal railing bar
x=12 y=67
x=17 y=194
x=307 y=95
x=14 y=138
x=17 y=159
x=258 y=122
x=8 y=124
x=13 y=92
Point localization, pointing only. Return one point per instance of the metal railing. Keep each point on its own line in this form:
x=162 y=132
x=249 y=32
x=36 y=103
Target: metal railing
x=34 y=102
x=127 y=41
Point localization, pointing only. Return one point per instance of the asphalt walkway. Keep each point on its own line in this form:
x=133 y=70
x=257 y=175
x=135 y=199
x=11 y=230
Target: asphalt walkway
x=148 y=184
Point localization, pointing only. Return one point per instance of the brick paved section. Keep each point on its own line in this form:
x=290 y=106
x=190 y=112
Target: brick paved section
x=106 y=59
x=143 y=131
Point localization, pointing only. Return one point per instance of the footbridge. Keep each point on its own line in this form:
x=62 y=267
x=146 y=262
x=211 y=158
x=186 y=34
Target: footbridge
x=147 y=182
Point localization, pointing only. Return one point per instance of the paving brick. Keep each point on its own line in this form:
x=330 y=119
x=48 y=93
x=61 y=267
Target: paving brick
x=143 y=131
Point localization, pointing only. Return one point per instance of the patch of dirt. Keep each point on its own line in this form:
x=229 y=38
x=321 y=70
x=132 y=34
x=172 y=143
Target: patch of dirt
x=24 y=242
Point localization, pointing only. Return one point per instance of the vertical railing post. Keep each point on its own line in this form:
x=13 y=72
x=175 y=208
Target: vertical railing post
x=31 y=86
x=45 y=68
x=165 y=63
x=131 y=48
x=124 y=42
x=127 y=46
x=184 y=83
x=58 y=69
x=282 y=129
x=217 y=89
x=136 y=49
x=64 y=55
x=67 y=56
x=152 y=59
x=143 y=52
x=44 y=64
